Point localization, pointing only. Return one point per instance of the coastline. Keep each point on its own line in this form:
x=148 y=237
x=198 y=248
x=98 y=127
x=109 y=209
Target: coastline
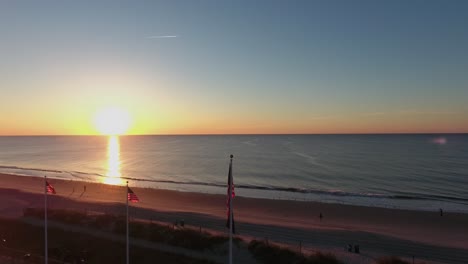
x=386 y=231
x=412 y=203
x=356 y=170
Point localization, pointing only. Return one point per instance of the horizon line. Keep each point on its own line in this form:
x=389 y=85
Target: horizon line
x=241 y=134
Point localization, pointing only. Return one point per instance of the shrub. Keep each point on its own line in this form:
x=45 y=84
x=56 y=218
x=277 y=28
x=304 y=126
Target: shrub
x=322 y=258
x=266 y=253
x=391 y=260
x=34 y=212
x=104 y=221
x=67 y=216
x=180 y=237
x=139 y=230
x=71 y=247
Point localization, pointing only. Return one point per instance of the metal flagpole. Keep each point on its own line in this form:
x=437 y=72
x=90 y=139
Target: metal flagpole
x=230 y=210
x=45 y=220
x=128 y=257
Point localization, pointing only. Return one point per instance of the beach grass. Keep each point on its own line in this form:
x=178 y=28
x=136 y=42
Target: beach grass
x=394 y=260
x=265 y=252
x=154 y=232
x=71 y=247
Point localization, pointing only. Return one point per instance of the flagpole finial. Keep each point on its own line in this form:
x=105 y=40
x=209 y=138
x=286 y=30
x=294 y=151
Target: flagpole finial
x=232 y=156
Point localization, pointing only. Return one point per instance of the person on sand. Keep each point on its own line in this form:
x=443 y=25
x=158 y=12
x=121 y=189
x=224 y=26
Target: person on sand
x=320 y=216
x=356 y=249
x=441 y=212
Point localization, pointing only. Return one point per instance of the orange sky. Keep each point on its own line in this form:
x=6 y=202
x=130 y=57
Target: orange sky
x=234 y=67
x=81 y=122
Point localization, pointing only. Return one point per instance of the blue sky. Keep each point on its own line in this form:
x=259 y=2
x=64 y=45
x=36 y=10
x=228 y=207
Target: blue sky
x=235 y=66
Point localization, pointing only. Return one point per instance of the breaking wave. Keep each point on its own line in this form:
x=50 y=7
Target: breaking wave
x=92 y=177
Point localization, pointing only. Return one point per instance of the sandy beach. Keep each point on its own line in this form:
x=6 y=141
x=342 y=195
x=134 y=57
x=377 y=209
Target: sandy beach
x=379 y=231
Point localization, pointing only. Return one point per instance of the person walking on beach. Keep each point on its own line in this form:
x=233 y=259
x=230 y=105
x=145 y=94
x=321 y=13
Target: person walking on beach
x=320 y=216
x=441 y=212
x=84 y=190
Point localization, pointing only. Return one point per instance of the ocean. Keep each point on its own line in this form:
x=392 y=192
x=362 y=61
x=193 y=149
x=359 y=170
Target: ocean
x=406 y=171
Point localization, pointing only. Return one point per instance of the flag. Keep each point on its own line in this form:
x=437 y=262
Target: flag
x=50 y=188
x=131 y=196
x=230 y=190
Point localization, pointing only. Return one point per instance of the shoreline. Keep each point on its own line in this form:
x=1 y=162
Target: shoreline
x=255 y=192
x=282 y=221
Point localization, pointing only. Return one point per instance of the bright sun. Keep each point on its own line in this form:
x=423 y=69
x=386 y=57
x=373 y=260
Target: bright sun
x=112 y=121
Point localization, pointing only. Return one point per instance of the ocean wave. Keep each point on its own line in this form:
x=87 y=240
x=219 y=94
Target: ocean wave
x=30 y=169
x=89 y=176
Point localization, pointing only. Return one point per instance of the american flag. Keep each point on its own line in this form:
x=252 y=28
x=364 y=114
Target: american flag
x=131 y=196
x=50 y=188
x=229 y=197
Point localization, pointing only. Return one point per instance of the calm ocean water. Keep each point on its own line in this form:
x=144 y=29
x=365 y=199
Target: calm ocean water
x=423 y=172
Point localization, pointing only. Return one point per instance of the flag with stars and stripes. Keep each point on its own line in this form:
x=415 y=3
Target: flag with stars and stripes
x=131 y=196
x=50 y=188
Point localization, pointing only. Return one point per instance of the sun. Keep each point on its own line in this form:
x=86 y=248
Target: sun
x=112 y=121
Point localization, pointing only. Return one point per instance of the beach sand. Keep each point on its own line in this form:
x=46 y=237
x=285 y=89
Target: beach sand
x=378 y=231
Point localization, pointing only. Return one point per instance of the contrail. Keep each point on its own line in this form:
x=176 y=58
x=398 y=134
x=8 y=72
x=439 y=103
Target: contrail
x=162 y=36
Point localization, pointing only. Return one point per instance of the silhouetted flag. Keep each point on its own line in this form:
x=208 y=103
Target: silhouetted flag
x=50 y=188
x=131 y=196
x=229 y=197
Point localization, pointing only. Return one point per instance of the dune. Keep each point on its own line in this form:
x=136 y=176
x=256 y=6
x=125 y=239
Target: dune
x=378 y=231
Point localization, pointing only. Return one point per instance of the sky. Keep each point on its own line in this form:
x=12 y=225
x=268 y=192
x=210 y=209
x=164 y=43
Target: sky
x=234 y=67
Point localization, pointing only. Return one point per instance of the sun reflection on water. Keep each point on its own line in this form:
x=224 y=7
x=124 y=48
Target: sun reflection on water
x=113 y=162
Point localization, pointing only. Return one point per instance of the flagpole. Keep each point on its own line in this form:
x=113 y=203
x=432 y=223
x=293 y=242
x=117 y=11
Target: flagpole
x=45 y=220
x=128 y=258
x=230 y=210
